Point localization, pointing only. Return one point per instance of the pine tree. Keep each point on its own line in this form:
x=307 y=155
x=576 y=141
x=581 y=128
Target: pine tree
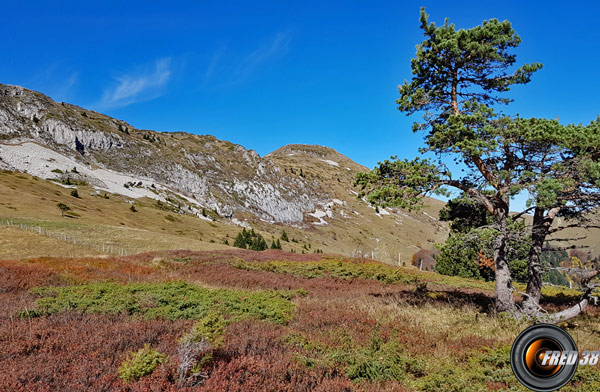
x=63 y=208
x=457 y=78
x=240 y=241
x=284 y=237
x=258 y=243
x=247 y=237
x=250 y=240
x=254 y=244
x=263 y=244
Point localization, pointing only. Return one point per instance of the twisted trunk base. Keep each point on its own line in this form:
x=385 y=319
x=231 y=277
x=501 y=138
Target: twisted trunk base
x=527 y=312
x=531 y=309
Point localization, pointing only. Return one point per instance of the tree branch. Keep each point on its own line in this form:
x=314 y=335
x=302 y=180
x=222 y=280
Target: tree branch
x=473 y=192
x=586 y=276
x=576 y=309
x=565 y=239
x=520 y=214
x=485 y=172
x=567 y=248
x=557 y=229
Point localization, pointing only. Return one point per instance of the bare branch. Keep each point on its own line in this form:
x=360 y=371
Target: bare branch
x=571 y=312
x=561 y=248
x=520 y=214
x=566 y=239
x=578 y=225
x=585 y=274
x=583 y=302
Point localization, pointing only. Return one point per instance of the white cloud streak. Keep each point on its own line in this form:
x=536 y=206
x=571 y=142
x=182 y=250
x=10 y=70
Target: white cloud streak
x=55 y=81
x=138 y=87
x=213 y=65
x=260 y=56
x=62 y=91
x=257 y=59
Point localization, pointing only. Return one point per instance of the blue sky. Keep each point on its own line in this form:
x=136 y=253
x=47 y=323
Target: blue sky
x=268 y=73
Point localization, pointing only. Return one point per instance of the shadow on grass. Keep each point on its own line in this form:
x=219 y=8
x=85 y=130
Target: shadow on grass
x=454 y=298
x=458 y=298
x=560 y=299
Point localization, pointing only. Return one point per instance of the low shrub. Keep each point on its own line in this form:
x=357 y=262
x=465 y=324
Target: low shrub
x=141 y=363
x=71 y=181
x=332 y=269
x=210 y=328
x=171 y=300
x=380 y=360
x=494 y=364
x=196 y=348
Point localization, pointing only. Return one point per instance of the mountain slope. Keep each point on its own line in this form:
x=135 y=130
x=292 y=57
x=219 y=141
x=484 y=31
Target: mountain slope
x=306 y=190
x=219 y=175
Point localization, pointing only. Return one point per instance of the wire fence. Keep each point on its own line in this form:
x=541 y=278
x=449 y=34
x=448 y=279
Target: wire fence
x=104 y=247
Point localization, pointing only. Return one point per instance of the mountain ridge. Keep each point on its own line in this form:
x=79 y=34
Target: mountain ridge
x=301 y=186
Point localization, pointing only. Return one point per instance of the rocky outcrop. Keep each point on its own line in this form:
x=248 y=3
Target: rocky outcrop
x=56 y=132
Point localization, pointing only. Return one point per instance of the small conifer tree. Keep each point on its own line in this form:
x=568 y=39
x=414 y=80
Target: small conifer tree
x=63 y=208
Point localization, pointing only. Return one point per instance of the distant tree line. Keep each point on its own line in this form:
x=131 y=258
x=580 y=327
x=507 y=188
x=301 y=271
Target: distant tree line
x=249 y=239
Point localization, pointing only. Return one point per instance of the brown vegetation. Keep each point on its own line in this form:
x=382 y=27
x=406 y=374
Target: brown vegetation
x=346 y=334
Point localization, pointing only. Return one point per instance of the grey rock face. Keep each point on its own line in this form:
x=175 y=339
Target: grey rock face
x=57 y=132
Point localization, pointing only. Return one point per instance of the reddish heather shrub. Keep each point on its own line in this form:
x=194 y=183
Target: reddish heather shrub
x=274 y=372
x=82 y=352
x=72 y=351
x=21 y=276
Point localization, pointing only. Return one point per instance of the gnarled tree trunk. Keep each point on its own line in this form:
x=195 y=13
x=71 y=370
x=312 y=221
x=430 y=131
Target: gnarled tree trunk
x=531 y=308
x=504 y=289
x=531 y=302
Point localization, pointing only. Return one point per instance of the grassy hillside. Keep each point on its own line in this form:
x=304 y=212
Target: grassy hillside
x=290 y=323
x=103 y=223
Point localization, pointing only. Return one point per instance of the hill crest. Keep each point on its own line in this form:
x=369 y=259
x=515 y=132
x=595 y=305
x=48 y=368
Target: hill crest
x=306 y=187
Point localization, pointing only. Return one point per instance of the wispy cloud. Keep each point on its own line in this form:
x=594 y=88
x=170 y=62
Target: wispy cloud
x=56 y=80
x=277 y=48
x=248 y=65
x=65 y=88
x=139 y=86
x=212 y=66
